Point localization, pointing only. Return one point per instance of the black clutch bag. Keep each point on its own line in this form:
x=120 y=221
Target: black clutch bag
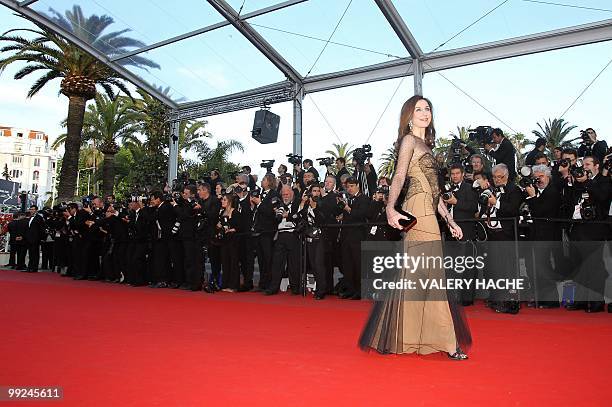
x=407 y=224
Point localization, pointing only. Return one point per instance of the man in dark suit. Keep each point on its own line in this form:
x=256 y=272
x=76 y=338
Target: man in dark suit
x=165 y=257
x=462 y=204
x=11 y=229
x=209 y=207
x=34 y=234
x=308 y=167
x=139 y=227
x=340 y=171
x=503 y=152
x=264 y=226
x=595 y=191
x=544 y=201
x=246 y=244
x=540 y=146
x=186 y=211
x=330 y=210
x=592 y=147
x=504 y=202
x=286 y=252
x=355 y=211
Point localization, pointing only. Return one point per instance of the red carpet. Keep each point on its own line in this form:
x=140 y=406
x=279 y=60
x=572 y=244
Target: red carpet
x=113 y=345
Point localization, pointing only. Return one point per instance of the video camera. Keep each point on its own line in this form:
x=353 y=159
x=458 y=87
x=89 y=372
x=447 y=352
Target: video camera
x=267 y=164
x=362 y=153
x=326 y=161
x=481 y=134
x=585 y=139
x=294 y=159
x=587 y=207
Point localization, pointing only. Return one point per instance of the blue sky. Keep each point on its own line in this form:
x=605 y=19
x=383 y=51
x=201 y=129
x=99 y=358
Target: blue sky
x=520 y=91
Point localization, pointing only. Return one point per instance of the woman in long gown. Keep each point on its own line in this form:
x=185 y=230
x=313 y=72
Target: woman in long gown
x=399 y=324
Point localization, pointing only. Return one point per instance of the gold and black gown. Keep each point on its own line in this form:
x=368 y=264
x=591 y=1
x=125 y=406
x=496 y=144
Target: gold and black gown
x=401 y=325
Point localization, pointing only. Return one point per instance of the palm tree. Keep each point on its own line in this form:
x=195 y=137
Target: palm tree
x=108 y=121
x=519 y=141
x=554 y=131
x=80 y=72
x=387 y=165
x=345 y=151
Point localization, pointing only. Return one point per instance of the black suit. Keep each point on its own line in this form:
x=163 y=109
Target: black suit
x=339 y=175
x=167 y=249
x=210 y=211
x=34 y=234
x=264 y=225
x=501 y=263
x=140 y=232
x=587 y=251
x=286 y=253
x=505 y=154
x=20 y=230
x=246 y=243
x=12 y=230
x=329 y=208
x=598 y=150
x=546 y=204
x=465 y=209
x=350 y=241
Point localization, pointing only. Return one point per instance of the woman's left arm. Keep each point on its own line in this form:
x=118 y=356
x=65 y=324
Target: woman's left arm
x=448 y=218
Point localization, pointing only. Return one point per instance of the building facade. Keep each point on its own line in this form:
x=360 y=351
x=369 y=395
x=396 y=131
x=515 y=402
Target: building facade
x=30 y=161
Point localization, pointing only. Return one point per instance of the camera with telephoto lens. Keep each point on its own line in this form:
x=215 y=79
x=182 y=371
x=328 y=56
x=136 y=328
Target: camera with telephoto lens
x=587 y=207
x=449 y=190
x=577 y=170
x=483 y=198
x=326 y=161
x=564 y=162
x=342 y=199
x=584 y=135
x=255 y=192
x=383 y=189
x=526 y=177
x=294 y=159
x=362 y=153
x=481 y=134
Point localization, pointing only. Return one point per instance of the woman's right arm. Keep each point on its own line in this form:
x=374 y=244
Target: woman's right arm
x=406 y=151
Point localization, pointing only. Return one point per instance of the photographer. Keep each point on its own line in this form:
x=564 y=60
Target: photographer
x=33 y=236
x=308 y=167
x=139 y=232
x=477 y=166
x=208 y=207
x=543 y=201
x=114 y=263
x=287 y=246
x=590 y=146
x=591 y=198
x=541 y=159
x=563 y=181
x=540 y=146
x=97 y=238
x=330 y=211
x=247 y=171
x=226 y=229
x=340 y=170
x=503 y=152
x=354 y=211
x=19 y=247
x=462 y=203
x=215 y=177
x=185 y=229
x=167 y=253
x=366 y=176
x=377 y=214
x=503 y=201
x=246 y=243
x=264 y=227
x=310 y=212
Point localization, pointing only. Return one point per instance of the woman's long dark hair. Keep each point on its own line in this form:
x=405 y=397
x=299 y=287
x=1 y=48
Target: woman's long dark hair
x=406 y=117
